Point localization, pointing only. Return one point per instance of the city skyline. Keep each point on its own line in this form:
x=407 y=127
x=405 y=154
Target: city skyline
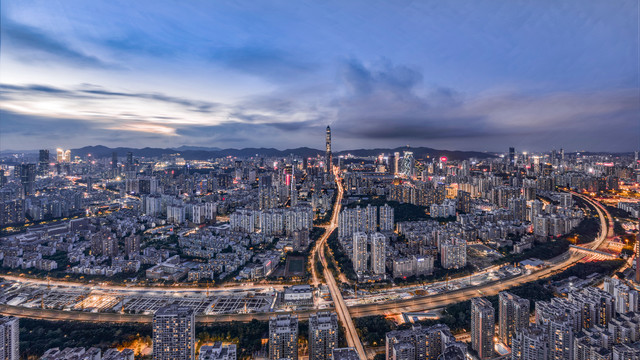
x=320 y=180
x=452 y=76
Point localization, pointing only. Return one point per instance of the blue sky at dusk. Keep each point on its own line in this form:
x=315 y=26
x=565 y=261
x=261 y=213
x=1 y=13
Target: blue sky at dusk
x=468 y=75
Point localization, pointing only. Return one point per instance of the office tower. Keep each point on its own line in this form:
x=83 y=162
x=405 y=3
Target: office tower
x=67 y=156
x=530 y=343
x=174 y=333
x=482 y=327
x=386 y=218
x=360 y=254
x=114 y=163
x=328 y=159
x=345 y=354
x=407 y=167
x=129 y=164
x=217 y=351
x=323 y=335
x=512 y=157
x=391 y=164
x=513 y=316
x=378 y=253
x=419 y=343
x=43 y=162
x=28 y=178
x=283 y=337
x=59 y=155
x=9 y=338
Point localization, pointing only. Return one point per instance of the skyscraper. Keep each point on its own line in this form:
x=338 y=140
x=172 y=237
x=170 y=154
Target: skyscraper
x=360 y=254
x=482 y=327
x=386 y=218
x=378 y=253
x=512 y=157
x=114 y=163
x=513 y=313
x=129 y=165
x=323 y=335
x=328 y=156
x=27 y=178
x=59 y=155
x=283 y=337
x=9 y=338
x=174 y=333
x=407 y=168
x=43 y=162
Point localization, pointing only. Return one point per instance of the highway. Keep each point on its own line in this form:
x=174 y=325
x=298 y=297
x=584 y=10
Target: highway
x=170 y=290
x=353 y=340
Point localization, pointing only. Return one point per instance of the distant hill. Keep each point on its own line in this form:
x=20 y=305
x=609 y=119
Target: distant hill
x=421 y=152
x=202 y=153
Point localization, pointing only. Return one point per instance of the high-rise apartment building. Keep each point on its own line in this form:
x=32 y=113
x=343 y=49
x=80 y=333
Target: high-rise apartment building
x=323 y=335
x=626 y=298
x=328 y=160
x=378 y=253
x=174 y=333
x=360 y=255
x=386 y=218
x=453 y=253
x=283 y=337
x=482 y=327
x=420 y=343
x=530 y=343
x=513 y=315
x=217 y=351
x=345 y=354
x=9 y=338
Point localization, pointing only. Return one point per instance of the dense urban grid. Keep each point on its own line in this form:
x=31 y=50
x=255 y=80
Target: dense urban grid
x=321 y=247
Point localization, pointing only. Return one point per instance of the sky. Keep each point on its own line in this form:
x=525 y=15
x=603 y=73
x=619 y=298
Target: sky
x=456 y=75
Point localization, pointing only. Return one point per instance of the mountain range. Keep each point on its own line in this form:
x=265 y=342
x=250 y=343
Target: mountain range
x=203 y=153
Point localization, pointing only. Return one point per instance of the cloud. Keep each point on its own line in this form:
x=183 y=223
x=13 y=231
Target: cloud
x=36 y=43
x=267 y=62
x=390 y=103
x=396 y=79
x=88 y=91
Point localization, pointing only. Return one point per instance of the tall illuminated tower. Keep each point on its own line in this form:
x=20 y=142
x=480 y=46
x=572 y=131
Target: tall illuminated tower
x=328 y=157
